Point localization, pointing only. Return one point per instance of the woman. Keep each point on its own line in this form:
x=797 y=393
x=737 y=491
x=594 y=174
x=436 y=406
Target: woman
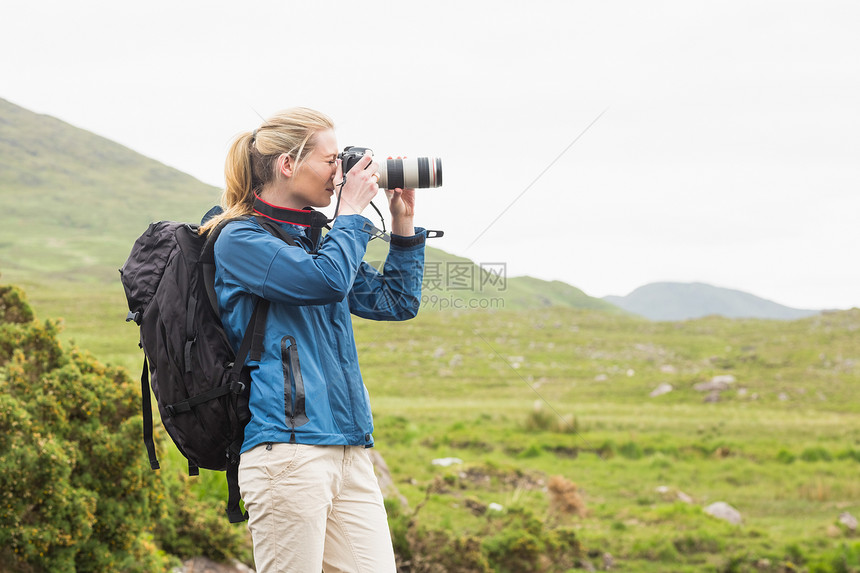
x=305 y=474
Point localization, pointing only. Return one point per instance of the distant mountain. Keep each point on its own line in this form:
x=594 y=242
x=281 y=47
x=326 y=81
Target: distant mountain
x=681 y=301
x=74 y=202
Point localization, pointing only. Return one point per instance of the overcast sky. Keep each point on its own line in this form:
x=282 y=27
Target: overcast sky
x=727 y=152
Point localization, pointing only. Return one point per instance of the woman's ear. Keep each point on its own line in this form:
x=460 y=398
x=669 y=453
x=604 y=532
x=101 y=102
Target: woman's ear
x=286 y=165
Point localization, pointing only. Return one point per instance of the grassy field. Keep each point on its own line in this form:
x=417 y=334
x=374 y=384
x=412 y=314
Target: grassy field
x=564 y=392
x=522 y=396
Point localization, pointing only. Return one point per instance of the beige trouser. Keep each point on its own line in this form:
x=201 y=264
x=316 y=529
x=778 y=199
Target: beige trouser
x=315 y=508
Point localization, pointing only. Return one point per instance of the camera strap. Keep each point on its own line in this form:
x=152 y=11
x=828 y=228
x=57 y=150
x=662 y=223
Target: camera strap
x=301 y=217
x=309 y=218
x=375 y=233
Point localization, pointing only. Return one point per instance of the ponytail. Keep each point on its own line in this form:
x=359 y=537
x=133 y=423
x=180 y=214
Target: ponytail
x=237 y=199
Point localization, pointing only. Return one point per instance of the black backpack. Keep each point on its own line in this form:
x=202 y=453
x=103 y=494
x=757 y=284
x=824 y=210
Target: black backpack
x=200 y=385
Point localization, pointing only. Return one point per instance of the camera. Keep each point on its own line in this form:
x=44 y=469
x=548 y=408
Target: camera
x=411 y=173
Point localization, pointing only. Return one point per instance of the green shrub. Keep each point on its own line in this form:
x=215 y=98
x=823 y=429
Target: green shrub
x=398 y=525
x=698 y=542
x=13 y=306
x=540 y=420
x=842 y=559
x=846 y=559
x=76 y=491
x=631 y=451
x=670 y=451
x=607 y=450
x=818 y=454
x=533 y=451
x=514 y=540
x=656 y=550
x=739 y=564
x=524 y=544
x=850 y=454
x=794 y=554
x=436 y=551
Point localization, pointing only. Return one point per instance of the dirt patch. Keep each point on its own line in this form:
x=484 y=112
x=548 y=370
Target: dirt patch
x=485 y=476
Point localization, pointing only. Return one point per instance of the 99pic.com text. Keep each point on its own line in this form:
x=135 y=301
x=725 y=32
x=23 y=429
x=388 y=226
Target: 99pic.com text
x=435 y=301
x=463 y=285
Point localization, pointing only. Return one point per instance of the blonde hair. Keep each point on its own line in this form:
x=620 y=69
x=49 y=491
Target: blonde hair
x=252 y=158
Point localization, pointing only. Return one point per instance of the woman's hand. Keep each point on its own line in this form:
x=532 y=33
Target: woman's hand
x=401 y=204
x=360 y=187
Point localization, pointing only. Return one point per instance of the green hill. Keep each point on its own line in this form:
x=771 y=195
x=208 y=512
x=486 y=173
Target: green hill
x=72 y=200
x=73 y=203
x=457 y=283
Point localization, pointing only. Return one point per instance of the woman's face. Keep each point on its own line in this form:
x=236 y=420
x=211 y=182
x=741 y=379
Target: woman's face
x=312 y=182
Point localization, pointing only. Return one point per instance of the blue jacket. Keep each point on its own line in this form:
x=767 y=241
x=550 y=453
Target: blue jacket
x=307 y=387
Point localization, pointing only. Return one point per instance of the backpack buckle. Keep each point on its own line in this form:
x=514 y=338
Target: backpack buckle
x=237 y=387
x=178 y=408
x=232 y=453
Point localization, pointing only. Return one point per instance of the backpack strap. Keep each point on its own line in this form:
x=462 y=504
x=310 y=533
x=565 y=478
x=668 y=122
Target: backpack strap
x=252 y=342
x=252 y=346
x=146 y=410
x=234 y=496
x=207 y=264
x=276 y=230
